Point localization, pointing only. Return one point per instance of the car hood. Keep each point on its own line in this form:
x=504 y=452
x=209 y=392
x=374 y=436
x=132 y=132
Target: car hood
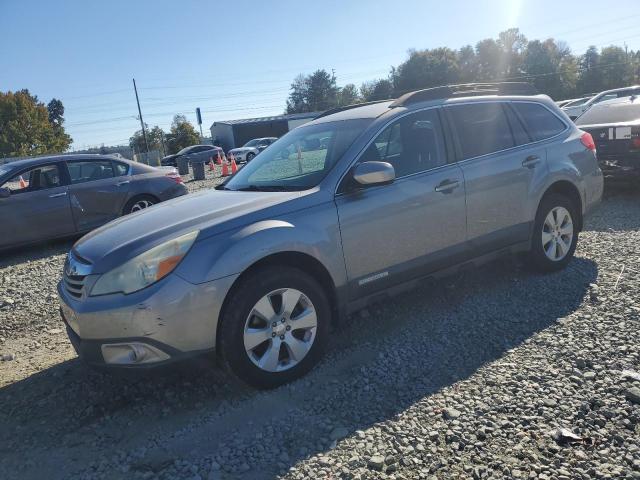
x=243 y=149
x=211 y=212
x=169 y=157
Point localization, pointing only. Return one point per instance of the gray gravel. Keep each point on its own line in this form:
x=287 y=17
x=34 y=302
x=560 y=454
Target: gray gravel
x=498 y=373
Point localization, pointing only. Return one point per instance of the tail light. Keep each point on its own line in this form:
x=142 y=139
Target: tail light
x=175 y=176
x=635 y=143
x=587 y=141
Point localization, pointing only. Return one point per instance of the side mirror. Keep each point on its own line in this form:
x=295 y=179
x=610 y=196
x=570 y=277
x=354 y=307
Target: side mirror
x=374 y=173
x=5 y=192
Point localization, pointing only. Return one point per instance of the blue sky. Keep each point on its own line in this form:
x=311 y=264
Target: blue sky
x=237 y=58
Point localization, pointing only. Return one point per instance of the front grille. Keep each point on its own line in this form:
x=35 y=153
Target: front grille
x=75 y=272
x=74 y=284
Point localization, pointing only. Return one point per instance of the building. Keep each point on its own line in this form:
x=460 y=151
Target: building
x=235 y=133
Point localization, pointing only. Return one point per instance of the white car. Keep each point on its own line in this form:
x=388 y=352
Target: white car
x=574 y=111
x=250 y=149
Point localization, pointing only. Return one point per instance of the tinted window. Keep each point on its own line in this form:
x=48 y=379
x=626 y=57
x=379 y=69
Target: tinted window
x=481 y=128
x=411 y=144
x=90 y=170
x=539 y=121
x=121 y=168
x=39 y=178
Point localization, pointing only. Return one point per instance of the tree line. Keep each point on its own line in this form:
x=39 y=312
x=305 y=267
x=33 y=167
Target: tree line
x=182 y=134
x=548 y=64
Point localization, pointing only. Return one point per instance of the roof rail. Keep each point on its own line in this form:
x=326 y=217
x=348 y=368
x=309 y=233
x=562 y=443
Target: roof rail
x=465 y=90
x=349 y=107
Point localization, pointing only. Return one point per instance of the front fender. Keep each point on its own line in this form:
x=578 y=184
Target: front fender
x=313 y=232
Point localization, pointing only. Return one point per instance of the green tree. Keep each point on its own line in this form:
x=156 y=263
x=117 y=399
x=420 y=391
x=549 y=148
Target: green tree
x=27 y=127
x=590 y=80
x=513 y=44
x=182 y=135
x=616 y=68
x=314 y=92
x=348 y=95
x=154 y=139
x=489 y=62
x=467 y=64
x=426 y=68
x=377 y=90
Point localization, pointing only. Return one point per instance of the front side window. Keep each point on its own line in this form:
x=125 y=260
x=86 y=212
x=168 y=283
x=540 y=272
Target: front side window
x=90 y=170
x=300 y=159
x=411 y=144
x=539 y=122
x=481 y=128
x=39 y=178
x=251 y=143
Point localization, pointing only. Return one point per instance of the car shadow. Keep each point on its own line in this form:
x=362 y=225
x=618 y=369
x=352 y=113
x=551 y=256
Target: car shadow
x=16 y=256
x=463 y=322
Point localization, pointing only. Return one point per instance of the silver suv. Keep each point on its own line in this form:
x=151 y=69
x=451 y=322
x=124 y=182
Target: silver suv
x=357 y=204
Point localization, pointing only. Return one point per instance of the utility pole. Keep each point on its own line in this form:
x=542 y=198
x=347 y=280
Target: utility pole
x=144 y=133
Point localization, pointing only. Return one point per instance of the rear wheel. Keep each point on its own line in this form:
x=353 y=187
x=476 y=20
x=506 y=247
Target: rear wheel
x=139 y=202
x=555 y=234
x=274 y=327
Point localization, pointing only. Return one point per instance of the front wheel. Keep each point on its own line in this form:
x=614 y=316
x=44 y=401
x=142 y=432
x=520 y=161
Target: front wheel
x=555 y=235
x=274 y=327
x=249 y=157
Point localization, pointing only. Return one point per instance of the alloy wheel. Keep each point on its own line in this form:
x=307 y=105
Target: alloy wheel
x=141 y=205
x=280 y=330
x=557 y=234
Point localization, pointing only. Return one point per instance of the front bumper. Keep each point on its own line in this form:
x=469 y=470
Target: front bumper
x=170 y=320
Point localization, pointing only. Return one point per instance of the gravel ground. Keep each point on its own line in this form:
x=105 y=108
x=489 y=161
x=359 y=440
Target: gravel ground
x=497 y=373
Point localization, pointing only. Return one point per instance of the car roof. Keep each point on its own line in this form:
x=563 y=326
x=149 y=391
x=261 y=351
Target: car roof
x=29 y=162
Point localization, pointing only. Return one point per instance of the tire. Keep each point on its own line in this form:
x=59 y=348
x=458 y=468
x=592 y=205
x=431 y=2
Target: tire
x=249 y=157
x=551 y=245
x=247 y=339
x=139 y=202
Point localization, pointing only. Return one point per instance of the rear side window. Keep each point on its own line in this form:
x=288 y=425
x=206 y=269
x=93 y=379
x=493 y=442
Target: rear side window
x=121 y=168
x=411 y=144
x=481 y=128
x=89 y=171
x=539 y=122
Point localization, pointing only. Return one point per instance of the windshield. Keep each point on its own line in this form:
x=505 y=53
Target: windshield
x=252 y=143
x=610 y=113
x=300 y=159
x=577 y=103
x=4 y=169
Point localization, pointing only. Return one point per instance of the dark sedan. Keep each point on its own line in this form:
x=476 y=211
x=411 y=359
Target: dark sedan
x=615 y=128
x=59 y=196
x=194 y=152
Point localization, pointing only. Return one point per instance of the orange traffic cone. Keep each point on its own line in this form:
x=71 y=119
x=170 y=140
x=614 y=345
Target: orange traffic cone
x=234 y=167
x=212 y=167
x=23 y=184
x=218 y=159
x=225 y=169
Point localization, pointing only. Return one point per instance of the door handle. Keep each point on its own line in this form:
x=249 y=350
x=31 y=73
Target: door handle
x=447 y=186
x=123 y=183
x=531 y=161
x=56 y=195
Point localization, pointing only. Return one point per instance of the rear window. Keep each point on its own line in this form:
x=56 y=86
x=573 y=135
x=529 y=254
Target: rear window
x=539 y=122
x=481 y=128
x=610 y=113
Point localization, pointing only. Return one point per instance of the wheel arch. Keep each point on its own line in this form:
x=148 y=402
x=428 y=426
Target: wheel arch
x=569 y=190
x=294 y=259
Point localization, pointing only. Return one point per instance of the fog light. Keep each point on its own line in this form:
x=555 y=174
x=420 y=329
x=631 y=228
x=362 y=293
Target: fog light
x=132 y=353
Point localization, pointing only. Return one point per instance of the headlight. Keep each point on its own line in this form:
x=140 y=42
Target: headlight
x=146 y=268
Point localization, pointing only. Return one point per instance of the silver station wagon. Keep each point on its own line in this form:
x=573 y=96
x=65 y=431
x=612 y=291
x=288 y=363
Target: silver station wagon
x=358 y=204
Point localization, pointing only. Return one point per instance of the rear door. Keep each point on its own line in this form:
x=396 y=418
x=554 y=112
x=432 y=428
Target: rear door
x=38 y=207
x=98 y=192
x=498 y=174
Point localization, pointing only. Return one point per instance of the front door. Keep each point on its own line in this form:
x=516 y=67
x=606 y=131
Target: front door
x=96 y=196
x=37 y=209
x=397 y=232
